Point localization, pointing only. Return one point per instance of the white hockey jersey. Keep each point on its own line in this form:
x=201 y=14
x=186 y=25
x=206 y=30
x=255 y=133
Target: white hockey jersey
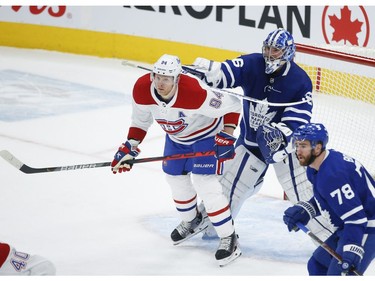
x=195 y=111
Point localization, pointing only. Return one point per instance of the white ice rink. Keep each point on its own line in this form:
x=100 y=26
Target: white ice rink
x=60 y=109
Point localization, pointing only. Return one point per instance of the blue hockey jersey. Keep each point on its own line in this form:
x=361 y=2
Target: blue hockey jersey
x=291 y=84
x=344 y=192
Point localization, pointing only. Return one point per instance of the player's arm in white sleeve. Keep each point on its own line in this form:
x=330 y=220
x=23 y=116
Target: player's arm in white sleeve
x=141 y=117
x=13 y=262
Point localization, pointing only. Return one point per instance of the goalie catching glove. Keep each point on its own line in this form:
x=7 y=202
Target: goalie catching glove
x=128 y=150
x=274 y=142
x=224 y=146
x=208 y=71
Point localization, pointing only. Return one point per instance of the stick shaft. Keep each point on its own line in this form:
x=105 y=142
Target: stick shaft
x=200 y=75
x=10 y=158
x=324 y=245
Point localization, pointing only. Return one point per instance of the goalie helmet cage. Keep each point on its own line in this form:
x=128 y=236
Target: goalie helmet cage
x=343 y=80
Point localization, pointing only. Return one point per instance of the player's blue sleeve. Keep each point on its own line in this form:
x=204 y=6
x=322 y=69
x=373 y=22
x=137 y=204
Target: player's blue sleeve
x=234 y=70
x=297 y=115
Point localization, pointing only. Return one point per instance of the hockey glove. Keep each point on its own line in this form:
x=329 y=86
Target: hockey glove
x=351 y=258
x=301 y=212
x=274 y=142
x=126 y=151
x=207 y=70
x=224 y=146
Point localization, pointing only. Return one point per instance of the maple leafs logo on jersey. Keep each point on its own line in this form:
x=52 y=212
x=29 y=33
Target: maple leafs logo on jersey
x=259 y=115
x=345 y=28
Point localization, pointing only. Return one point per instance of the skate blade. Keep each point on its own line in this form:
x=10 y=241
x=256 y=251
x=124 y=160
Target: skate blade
x=236 y=254
x=190 y=236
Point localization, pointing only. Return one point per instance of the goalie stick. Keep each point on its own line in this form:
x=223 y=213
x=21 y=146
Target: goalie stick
x=324 y=246
x=200 y=75
x=11 y=159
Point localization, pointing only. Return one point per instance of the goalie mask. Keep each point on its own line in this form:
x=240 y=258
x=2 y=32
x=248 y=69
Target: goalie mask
x=167 y=65
x=313 y=132
x=278 y=48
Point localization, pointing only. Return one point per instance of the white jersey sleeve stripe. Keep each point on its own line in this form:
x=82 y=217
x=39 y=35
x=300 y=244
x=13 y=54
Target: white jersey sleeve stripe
x=294 y=119
x=351 y=212
x=293 y=109
x=360 y=221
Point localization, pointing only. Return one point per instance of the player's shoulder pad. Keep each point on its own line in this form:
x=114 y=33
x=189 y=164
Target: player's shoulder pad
x=142 y=91
x=191 y=95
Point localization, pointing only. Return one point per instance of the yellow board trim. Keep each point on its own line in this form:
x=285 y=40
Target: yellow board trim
x=103 y=44
x=148 y=50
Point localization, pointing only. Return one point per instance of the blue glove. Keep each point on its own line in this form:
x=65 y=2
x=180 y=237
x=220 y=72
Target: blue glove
x=351 y=258
x=126 y=151
x=301 y=212
x=224 y=146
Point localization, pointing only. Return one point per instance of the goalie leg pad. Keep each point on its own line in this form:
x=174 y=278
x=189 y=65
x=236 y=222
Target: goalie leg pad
x=242 y=178
x=293 y=179
x=184 y=196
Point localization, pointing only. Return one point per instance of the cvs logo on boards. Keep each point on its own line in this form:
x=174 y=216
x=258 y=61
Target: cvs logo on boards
x=36 y=10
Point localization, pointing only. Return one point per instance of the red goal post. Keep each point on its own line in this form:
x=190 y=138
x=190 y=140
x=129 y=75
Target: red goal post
x=343 y=80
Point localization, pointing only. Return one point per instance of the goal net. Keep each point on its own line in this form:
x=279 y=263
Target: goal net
x=344 y=97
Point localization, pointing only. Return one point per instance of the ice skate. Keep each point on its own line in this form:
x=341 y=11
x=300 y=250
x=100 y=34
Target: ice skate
x=228 y=250
x=186 y=230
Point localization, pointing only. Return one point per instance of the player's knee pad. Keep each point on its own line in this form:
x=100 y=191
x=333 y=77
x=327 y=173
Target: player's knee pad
x=320 y=261
x=216 y=204
x=210 y=191
x=242 y=178
x=181 y=186
x=316 y=268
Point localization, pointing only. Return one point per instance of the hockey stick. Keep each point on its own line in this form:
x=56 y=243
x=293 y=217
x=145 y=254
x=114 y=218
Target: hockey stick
x=200 y=75
x=324 y=246
x=11 y=159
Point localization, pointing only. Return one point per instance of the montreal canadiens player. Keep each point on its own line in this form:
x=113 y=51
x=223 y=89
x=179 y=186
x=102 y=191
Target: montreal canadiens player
x=344 y=192
x=195 y=119
x=13 y=262
x=271 y=76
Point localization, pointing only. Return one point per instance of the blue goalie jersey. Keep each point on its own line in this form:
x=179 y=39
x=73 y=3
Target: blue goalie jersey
x=291 y=84
x=344 y=192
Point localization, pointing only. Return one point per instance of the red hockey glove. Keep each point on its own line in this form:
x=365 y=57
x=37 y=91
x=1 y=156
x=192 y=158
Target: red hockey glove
x=224 y=146
x=126 y=151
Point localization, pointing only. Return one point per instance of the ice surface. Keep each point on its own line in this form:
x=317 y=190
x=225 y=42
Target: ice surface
x=62 y=109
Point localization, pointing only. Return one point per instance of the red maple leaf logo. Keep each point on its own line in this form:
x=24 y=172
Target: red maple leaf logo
x=345 y=29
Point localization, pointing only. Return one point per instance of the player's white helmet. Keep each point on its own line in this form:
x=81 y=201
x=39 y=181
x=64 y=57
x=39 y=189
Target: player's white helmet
x=278 y=48
x=167 y=65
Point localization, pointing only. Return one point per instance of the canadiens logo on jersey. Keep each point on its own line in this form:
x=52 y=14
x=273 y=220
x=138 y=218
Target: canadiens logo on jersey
x=259 y=115
x=172 y=127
